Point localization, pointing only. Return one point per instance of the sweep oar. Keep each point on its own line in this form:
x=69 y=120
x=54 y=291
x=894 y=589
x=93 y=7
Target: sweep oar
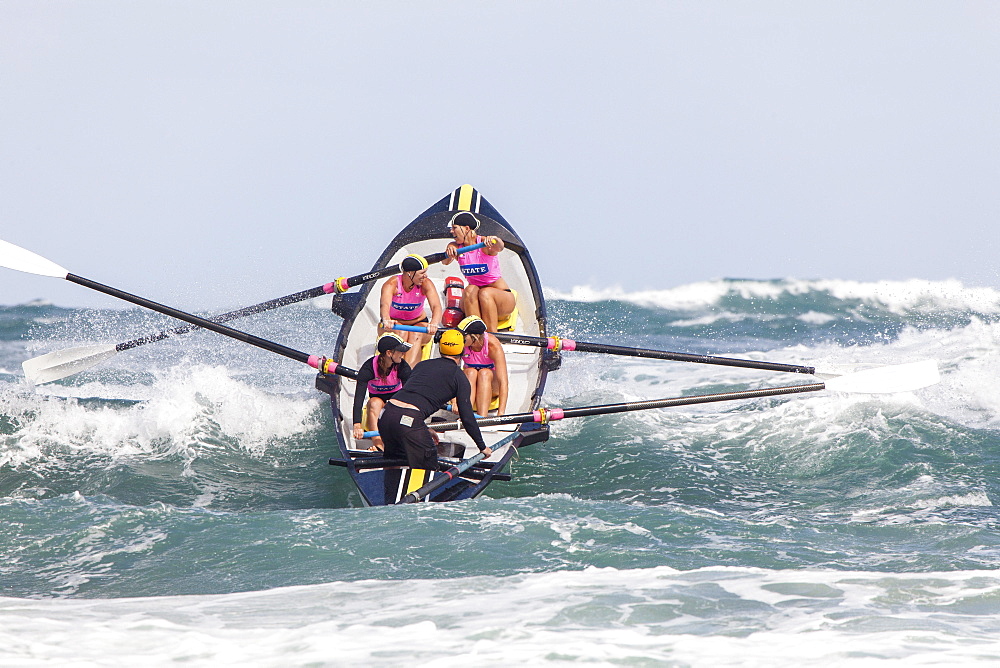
x=556 y=343
x=64 y=363
x=452 y=473
x=15 y=257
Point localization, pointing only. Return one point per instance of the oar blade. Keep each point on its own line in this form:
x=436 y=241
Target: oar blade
x=837 y=370
x=888 y=379
x=20 y=259
x=64 y=363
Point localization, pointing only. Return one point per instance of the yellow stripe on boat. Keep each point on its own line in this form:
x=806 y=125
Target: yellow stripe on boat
x=416 y=479
x=467 y=199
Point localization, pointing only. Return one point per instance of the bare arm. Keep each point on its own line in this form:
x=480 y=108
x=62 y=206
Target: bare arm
x=385 y=301
x=493 y=245
x=435 y=302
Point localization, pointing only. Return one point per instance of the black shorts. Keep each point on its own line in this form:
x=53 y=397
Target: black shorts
x=405 y=435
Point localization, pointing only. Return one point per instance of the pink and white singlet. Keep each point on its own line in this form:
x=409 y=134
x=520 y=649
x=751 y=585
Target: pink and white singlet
x=479 y=359
x=387 y=385
x=406 y=305
x=478 y=267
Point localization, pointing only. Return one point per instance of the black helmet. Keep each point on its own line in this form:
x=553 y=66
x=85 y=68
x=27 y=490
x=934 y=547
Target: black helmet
x=466 y=219
x=390 y=341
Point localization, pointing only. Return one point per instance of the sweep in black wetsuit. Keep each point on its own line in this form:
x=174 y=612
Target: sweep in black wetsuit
x=432 y=383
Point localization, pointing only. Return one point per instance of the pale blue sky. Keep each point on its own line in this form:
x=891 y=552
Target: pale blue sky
x=217 y=154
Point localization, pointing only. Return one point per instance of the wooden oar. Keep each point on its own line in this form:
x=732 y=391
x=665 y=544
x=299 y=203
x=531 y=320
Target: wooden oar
x=452 y=473
x=69 y=361
x=556 y=343
x=17 y=258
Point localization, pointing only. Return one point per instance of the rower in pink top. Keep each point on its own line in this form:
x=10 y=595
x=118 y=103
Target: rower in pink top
x=485 y=365
x=407 y=304
x=403 y=302
x=487 y=295
x=479 y=268
x=380 y=378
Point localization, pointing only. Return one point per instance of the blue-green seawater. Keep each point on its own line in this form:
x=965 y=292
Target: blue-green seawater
x=175 y=505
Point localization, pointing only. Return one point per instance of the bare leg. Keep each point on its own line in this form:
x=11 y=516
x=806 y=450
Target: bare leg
x=495 y=392
x=484 y=391
x=495 y=304
x=470 y=300
x=417 y=340
x=375 y=406
x=472 y=375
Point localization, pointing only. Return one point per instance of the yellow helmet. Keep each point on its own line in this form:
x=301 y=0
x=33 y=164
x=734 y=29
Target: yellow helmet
x=452 y=342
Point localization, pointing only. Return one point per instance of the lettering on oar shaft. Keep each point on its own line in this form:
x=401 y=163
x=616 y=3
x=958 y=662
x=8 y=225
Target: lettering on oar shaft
x=523 y=342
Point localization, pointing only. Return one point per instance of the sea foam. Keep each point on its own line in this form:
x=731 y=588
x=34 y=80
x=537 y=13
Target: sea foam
x=187 y=408
x=720 y=616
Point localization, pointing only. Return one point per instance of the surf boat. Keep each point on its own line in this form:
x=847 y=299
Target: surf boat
x=382 y=481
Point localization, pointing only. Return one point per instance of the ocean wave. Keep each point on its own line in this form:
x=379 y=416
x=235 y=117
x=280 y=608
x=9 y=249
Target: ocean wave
x=36 y=303
x=918 y=452
x=187 y=409
x=899 y=297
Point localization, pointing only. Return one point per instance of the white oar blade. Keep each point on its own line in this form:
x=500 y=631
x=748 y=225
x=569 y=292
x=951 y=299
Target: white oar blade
x=19 y=259
x=888 y=379
x=837 y=370
x=65 y=363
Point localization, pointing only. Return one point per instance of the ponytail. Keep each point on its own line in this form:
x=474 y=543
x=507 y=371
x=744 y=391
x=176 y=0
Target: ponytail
x=384 y=364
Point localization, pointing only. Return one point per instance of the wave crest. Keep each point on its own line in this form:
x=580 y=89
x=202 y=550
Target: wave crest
x=900 y=297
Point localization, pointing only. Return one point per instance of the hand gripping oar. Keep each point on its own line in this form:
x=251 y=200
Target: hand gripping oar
x=452 y=473
x=15 y=257
x=556 y=343
x=64 y=363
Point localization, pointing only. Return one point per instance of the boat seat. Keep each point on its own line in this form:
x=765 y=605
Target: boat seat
x=508 y=323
